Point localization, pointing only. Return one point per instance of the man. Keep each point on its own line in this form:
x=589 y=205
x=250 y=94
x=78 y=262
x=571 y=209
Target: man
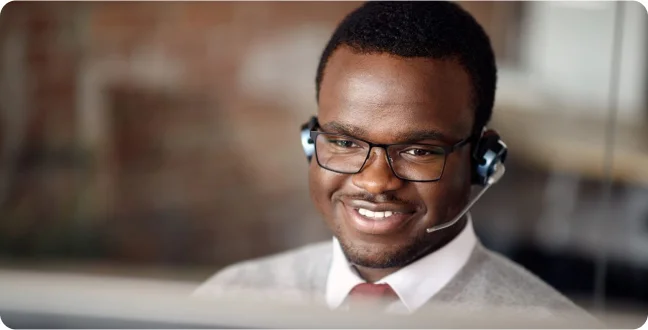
x=405 y=91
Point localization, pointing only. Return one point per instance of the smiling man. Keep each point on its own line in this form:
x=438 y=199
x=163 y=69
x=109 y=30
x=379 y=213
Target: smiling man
x=405 y=91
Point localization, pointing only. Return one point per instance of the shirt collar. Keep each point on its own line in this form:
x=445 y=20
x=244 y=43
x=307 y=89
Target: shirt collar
x=414 y=284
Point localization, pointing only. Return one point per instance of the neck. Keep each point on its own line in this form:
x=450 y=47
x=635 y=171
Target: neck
x=372 y=275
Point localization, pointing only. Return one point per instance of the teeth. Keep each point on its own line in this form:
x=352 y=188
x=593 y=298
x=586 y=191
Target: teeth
x=376 y=215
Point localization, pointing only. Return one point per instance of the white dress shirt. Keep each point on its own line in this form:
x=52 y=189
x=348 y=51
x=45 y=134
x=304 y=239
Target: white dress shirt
x=414 y=284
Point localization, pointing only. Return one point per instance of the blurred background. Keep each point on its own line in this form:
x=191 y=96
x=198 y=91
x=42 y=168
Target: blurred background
x=134 y=138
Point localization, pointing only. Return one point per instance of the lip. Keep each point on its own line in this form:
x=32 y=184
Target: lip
x=371 y=226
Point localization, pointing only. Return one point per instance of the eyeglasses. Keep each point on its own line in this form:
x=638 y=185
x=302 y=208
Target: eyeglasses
x=417 y=162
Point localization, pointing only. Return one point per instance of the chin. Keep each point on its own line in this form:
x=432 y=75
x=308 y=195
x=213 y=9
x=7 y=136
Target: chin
x=381 y=255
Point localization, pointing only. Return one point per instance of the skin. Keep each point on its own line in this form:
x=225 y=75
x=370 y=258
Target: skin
x=383 y=98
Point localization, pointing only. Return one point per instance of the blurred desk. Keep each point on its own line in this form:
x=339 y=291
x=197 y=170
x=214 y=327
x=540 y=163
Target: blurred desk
x=37 y=300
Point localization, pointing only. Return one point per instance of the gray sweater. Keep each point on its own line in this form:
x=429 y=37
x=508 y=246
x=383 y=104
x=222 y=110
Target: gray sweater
x=488 y=280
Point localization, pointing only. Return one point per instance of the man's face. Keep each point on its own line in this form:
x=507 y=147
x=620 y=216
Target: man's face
x=386 y=99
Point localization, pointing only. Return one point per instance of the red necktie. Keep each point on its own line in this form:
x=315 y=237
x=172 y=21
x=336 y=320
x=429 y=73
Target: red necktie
x=368 y=295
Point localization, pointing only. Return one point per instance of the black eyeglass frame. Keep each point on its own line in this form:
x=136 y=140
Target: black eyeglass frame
x=447 y=150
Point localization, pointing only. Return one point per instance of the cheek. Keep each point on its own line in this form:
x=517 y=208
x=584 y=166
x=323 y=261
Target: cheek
x=450 y=193
x=322 y=184
x=458 y=185
x=459 y=173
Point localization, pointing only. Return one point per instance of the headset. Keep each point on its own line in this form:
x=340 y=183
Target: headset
x=488 y=156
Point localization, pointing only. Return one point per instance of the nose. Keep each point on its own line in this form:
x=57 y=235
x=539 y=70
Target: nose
x=376 y=177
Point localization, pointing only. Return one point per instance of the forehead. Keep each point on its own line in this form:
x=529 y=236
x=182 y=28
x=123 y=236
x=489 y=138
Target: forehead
x=385 y=95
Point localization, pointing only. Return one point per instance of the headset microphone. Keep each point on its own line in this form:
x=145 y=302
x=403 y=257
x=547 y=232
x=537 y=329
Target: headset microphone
x=499 y=172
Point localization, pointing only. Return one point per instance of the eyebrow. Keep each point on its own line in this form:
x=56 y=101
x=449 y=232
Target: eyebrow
x=340 y=128
x=409 y=137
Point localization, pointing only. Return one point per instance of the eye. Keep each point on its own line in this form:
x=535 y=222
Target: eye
x=343 y=143
x=420 y=152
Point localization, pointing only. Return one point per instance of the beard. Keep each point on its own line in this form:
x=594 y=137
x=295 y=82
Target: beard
x=396 y=255
x=405 y=249
x=380 y=256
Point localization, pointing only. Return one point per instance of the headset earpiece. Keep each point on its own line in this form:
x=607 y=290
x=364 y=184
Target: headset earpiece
x=488 y=158
x=307 y=143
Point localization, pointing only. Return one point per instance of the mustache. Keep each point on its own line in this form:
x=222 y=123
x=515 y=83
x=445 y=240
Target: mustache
x=377 y=199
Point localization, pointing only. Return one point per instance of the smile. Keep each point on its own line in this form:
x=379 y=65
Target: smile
x=376 y=215
x=376 y=222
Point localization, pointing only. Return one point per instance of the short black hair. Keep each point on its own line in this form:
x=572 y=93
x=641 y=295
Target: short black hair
x=434 y=29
